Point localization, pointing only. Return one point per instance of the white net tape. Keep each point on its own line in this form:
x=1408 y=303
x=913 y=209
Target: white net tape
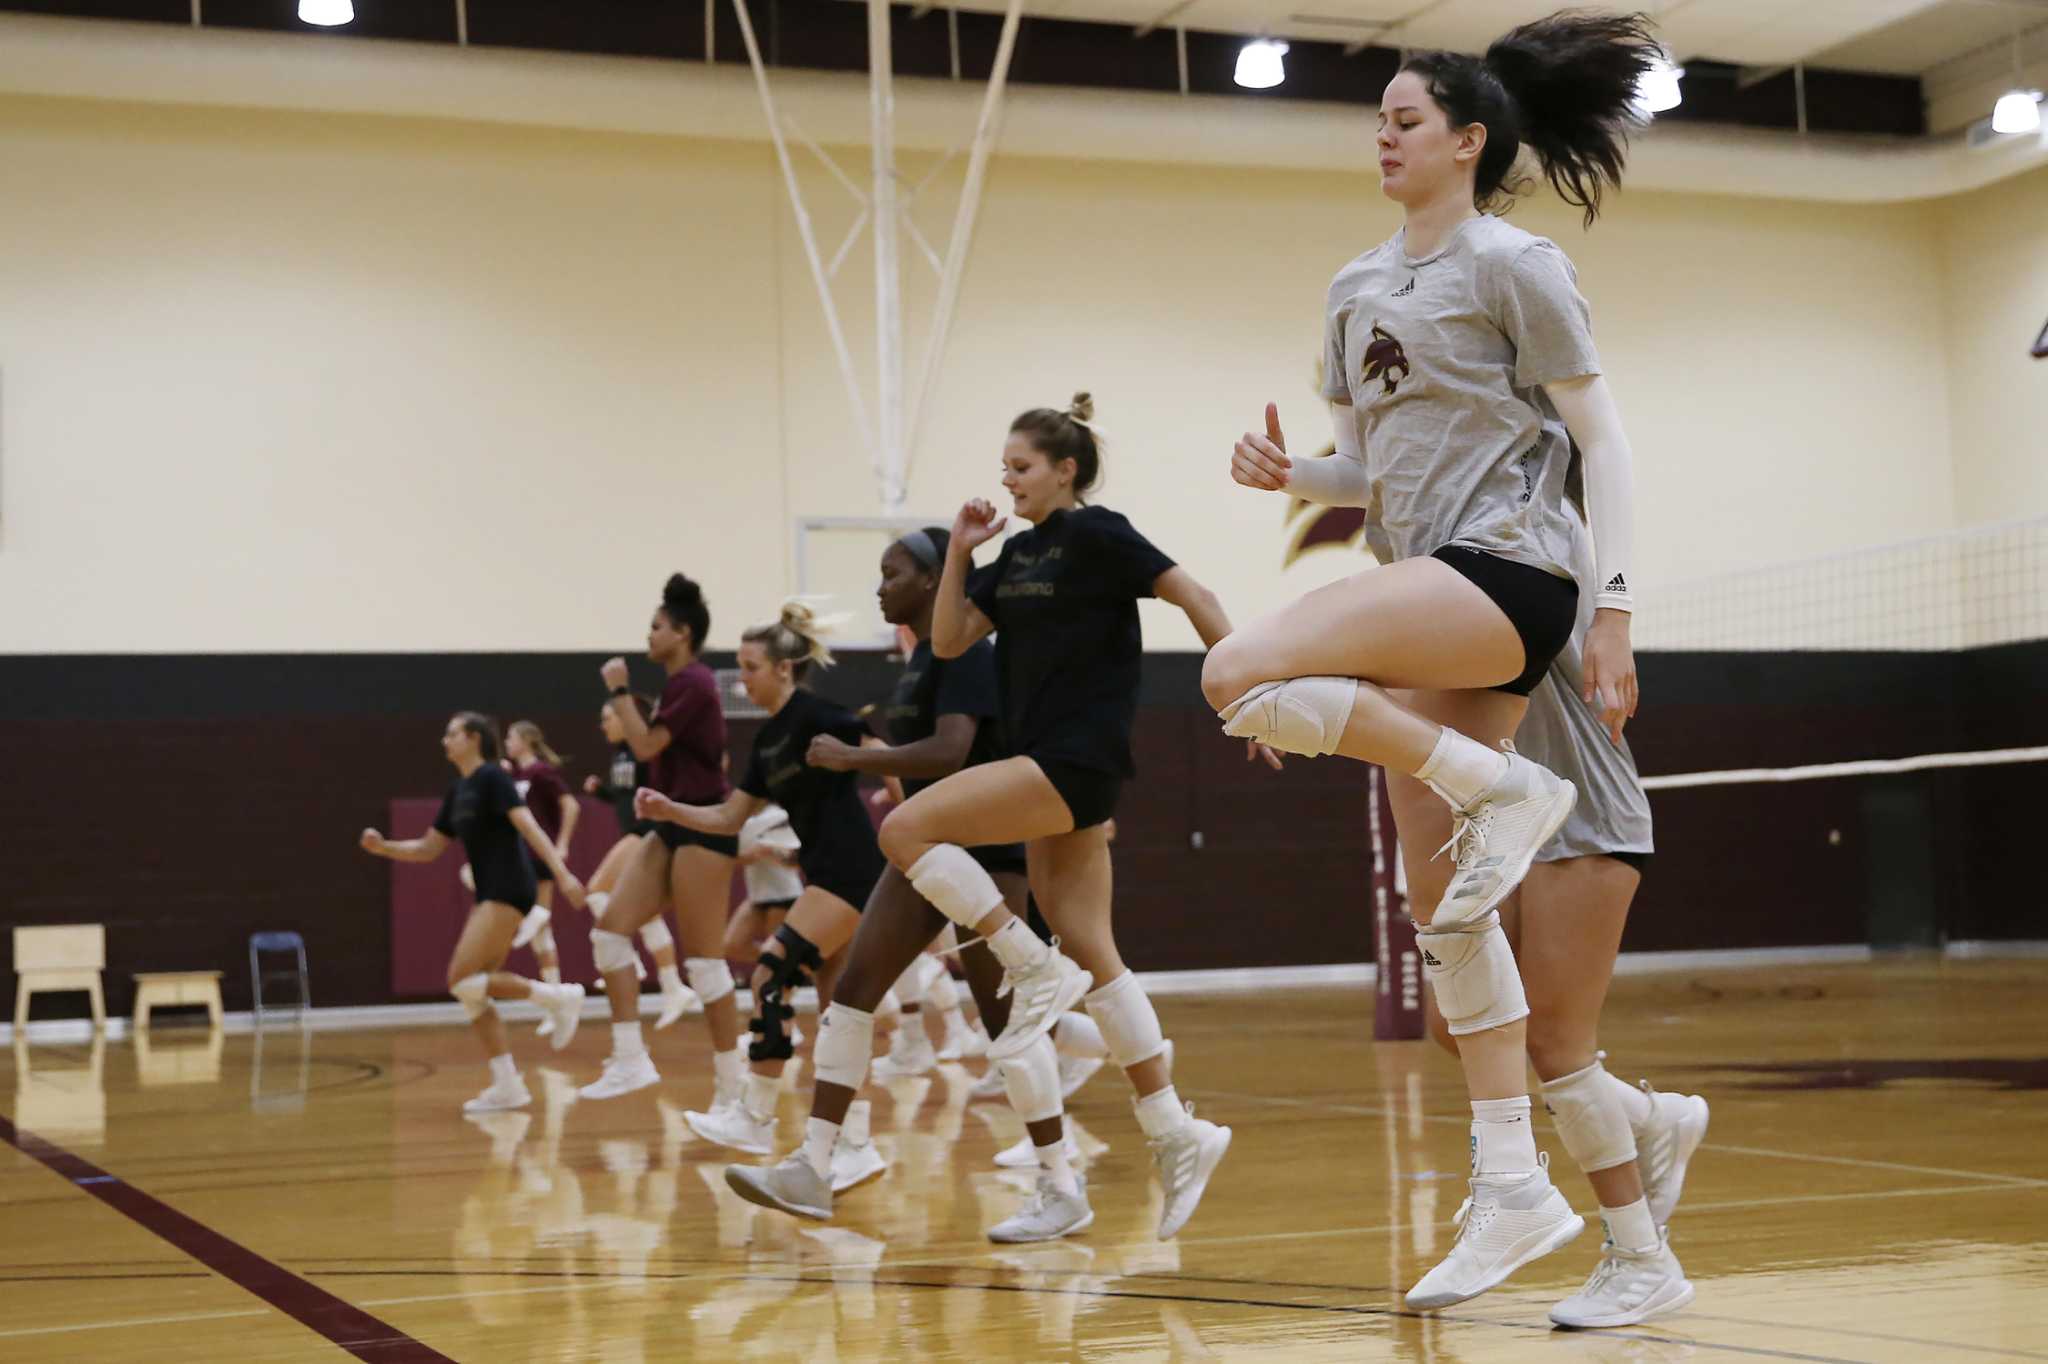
x=1961 y=590
x=1919 y=762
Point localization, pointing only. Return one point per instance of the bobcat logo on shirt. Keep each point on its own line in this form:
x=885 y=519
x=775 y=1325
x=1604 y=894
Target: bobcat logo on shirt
x=1385 y=359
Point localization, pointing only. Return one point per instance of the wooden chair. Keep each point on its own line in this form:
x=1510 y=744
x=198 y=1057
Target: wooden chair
x=67 y=957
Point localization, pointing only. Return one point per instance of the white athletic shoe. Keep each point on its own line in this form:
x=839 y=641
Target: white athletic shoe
x=622 y=1075
x=1678 y=1124
x=1184 y=1159
x=547 y=1025
x=502 y=1096
x=1076 y=1071
x=730 y=1124
x=1039 y=995
x=1627 y=1288
x=792 y=1186
x=529 y=928
x=675 y=1004
x=563 y=1015
x=963 y=1041
x=910 y=1051
x=1047 y=1215
x=1494 y=839
x=855 y=1165
x=1503 y=1225
x=1024 y=1156
x=989 y=1086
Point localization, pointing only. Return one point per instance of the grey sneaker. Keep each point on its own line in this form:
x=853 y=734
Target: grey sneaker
x=793 y=1186
x=1677 y=1126
x=1502 y=1226
x=1627 y=1288
x=1047 y=1215
x=1496 y=837
x=1184 y=1159
x=1041 y=994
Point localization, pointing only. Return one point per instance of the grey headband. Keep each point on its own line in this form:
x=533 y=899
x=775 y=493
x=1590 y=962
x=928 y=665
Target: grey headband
x=919 y=546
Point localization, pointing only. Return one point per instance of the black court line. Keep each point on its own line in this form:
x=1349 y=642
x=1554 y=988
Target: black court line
x=343 y=1323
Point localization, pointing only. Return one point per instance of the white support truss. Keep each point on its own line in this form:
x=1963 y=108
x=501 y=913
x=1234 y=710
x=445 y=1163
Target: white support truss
x=891 y=423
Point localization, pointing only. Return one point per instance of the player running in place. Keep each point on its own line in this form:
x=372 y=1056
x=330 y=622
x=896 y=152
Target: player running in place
x=497 y=831
x=537 y=773
x=1463 y=353
x=1565 y=923
x=623 y=776
x=836 y=850
x=672 y=867
x=941 y=719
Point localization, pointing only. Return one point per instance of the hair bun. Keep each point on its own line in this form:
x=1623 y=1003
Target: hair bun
x=1083 y=407
x=798 y=616
x=681 y=591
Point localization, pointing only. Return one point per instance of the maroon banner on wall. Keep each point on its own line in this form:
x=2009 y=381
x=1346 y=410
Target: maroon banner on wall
x=1397 y=1006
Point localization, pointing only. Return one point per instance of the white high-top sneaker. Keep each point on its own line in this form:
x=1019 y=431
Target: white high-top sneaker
x=1494 y=839
x=1047 y=1215
x=622 y=1075
x=1184 y=1159
x=1503 y=1225
x=1039 y=995
x=1628 y=1287
x=910 y=1050
x=1677 y=1126
x=501 y=1096
x=730 y=1124
x=564 y=1012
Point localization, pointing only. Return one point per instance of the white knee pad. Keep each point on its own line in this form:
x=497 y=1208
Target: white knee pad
x=1129 y=1023
x=942 y=994
x=1304 y=715
x=1590 y=1120
x=846 y=1040
x=909 y=986
x=1473 y=973
x=612 y=951
x=656 y=935
x=1079 y=1035
x=474 y=993
x=710 y=977
x=597 y=901
x=544 y=943
x=1032 y=1079
x=955 y=884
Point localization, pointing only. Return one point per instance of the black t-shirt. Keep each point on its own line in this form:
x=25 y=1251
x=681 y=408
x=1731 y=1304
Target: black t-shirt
x=478 y=810
x=931 y=687
x=836 y=839
x=1063 y=597
x=626 y=775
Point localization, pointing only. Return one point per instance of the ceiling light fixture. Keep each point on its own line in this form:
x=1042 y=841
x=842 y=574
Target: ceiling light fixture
x=1259 y=66
x=1658 y=89
x=2019 y=109
x=327 y=13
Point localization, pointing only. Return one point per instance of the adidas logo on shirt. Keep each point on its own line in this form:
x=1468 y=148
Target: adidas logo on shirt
x=1617 y=583
x=1405 y=289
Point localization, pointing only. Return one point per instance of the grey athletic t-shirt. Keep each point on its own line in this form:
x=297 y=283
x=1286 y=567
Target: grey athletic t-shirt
x=1564 y=734
x=1443 y=358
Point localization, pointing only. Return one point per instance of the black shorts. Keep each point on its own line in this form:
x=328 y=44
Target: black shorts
x=1036 y=921
x=851 y=883
x=1639 y=860
x=520 y=895
x=1091 y=795
x=542 y=875
x=999 y=858
x=1541 y=606
x=674 y=836
x=640 y=828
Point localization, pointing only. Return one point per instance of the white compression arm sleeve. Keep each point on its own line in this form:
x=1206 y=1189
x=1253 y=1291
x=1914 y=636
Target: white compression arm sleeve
x=1337 y=480
x=1589 y=412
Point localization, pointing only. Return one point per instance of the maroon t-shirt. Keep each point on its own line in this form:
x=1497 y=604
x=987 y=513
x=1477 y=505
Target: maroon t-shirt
x=543 y=789
x=692 y=768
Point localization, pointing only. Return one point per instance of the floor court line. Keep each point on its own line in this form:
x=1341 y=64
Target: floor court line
x=313 y=1307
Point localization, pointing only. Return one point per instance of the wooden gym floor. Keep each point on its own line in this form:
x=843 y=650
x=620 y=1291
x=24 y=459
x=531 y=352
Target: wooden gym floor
x=1875 y=1187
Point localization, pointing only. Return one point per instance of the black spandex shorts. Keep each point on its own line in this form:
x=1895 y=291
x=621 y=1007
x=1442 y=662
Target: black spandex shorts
x=521 y=897
x=542 y=875
x=1090 y=795
x=1639 y=860
x=999 y=858
x=674 y=836
x=1541 y=606
x=851 y=884
x=640 y=828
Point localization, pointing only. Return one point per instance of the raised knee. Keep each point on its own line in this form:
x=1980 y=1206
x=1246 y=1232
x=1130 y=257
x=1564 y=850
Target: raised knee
x=1224 y=677
x=901 y=840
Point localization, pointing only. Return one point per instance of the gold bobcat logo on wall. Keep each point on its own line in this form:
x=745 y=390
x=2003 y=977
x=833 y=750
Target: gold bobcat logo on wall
x=1385 y=359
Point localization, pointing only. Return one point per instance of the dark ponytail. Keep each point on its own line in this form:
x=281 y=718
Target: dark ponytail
x=1564 y=85
x=490 y=746
x=682 y=601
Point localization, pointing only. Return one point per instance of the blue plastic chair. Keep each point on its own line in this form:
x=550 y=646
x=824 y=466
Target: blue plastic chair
x=283 y=941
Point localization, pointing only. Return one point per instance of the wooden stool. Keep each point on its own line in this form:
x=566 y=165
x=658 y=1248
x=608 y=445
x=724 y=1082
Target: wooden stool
x=66 y=957
x=176 y=987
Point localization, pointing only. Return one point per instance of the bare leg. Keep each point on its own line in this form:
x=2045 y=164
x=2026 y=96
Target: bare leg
x=1072 y=877
x=486 y=938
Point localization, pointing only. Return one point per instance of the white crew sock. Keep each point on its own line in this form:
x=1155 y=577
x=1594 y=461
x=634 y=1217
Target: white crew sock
x=1016 y=946
x=1053 y=1160
x=626 y=1040
x=1631 y=1228
x=551 y=974
x=503 y=1070
x=729 y=1072
x=1461 y=770
x=1503 y=1143
x=1161 y=1113
x=819 y=1139
x=761 y=1092
x=671 y=979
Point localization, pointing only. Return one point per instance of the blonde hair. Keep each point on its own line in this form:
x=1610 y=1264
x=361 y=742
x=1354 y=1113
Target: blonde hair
x=796 y=638
x=1067 y=433
x=536 y=742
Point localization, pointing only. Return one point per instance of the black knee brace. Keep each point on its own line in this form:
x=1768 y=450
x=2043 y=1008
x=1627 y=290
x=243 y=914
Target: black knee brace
x=786 y=975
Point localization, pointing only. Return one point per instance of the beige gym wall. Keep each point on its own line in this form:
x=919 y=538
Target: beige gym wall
x=278 y=381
